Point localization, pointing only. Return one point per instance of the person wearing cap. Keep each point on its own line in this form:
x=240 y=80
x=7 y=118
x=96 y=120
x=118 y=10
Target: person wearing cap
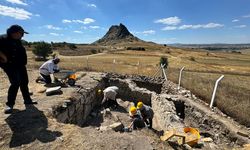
x=15 y=65
x=147 y=113
x=109 y=97
x=49 y=67
x=136 y=119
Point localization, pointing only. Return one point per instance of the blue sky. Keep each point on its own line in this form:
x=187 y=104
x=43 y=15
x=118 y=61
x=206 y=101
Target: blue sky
x=161 y=21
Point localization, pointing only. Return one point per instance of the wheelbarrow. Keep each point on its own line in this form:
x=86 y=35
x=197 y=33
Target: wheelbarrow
x=62 y=78
x=66 y=76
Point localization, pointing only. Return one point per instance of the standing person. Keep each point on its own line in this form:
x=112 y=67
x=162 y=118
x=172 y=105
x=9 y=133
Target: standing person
x=109 y=98
x=15 y=67
x=147 y=113
x=49 y=67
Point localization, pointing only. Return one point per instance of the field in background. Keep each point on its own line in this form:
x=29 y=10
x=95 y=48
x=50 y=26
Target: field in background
x=202 y=68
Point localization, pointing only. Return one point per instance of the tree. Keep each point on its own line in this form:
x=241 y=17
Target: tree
x=42 y=49
x=72 y=46
x=164 y=61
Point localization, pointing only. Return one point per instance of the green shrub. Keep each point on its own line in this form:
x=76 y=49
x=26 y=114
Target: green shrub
x=42 y=49
x=192 y=58
x=93 y=51
x=72 y=46
x=164 y=61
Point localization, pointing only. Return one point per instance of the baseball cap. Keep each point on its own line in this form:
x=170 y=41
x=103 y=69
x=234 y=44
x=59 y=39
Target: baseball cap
x=16 y=28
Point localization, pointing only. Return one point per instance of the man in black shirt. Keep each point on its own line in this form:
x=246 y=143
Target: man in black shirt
x=15 y=67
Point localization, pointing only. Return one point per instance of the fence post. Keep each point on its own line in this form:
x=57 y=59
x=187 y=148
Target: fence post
x=114 y=65
x=87 y=62
x=215 y=88
x=138 y=65
x=179 y=84
x=163 y=70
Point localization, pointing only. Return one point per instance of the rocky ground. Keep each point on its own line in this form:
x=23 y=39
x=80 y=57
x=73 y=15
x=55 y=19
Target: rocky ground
x=33 y=127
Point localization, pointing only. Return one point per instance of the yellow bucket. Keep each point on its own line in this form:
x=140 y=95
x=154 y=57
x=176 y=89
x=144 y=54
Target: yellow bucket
x=193 y=136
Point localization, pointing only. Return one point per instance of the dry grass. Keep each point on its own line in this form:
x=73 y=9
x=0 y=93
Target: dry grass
x=199 y=76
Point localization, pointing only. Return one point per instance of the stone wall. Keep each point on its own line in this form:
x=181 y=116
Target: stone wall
x=129 y=91
x=76 y=109
x=165 y=117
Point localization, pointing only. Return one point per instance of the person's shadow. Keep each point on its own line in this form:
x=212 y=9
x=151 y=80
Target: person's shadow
x=30 y=125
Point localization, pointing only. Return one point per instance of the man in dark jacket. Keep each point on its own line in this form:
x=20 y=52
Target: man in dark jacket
x=15 y=67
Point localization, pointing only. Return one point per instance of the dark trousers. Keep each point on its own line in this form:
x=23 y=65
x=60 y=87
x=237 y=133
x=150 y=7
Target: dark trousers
x=18 y=77
x=110 y=103
x=46 y=78
x=138 y=123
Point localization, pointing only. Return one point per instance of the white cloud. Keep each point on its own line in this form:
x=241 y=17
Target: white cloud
x=66 y=21
x=235 y=20
x=85 y=21
x=77 y=21
x=212 y=25
x=92 y=5
x=169 y=28
x=78 y=32
x=37 y=15
x=52 y=27
x=241 y=26
x=20 y=2
x=94 y=27
x=149 y=32
x=246 y=16
x=205 y=26
x=169 y=21
x=88 y=20
x=56 y=34
x=16 y=13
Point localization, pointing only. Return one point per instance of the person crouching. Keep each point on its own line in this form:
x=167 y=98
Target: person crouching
x=137 y=120
x=147 y=113
x=49 y=67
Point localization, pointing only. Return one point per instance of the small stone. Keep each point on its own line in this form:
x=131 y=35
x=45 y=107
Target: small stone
x=187 y=147
x=53 y=91
x=208 y=139
x=117 y=126
x=61 y=139
x=103 y=128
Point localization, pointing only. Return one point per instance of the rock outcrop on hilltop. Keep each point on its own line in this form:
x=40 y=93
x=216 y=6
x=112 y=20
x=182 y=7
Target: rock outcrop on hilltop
x=115 y=34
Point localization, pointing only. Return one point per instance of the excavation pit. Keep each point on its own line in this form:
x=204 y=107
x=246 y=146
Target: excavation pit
x=171 y=111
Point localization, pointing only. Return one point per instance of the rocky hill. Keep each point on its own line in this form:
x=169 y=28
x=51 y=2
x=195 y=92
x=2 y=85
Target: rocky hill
x=117 y=34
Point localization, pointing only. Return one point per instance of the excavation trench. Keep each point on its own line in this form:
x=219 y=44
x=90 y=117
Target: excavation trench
x=170 y=111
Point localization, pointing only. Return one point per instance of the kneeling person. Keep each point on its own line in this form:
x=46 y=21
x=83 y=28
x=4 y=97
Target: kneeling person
x=49 y=67
x=137 y=121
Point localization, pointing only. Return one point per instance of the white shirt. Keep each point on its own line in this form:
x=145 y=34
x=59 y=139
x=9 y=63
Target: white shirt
x=110 y=93
x=48 y=67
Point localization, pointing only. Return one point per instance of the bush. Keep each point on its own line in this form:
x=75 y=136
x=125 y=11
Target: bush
x=192 y=58
x=93 y=51
x=136 y=48
x=72 y=46
x=42 y=49
x=164 y=61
